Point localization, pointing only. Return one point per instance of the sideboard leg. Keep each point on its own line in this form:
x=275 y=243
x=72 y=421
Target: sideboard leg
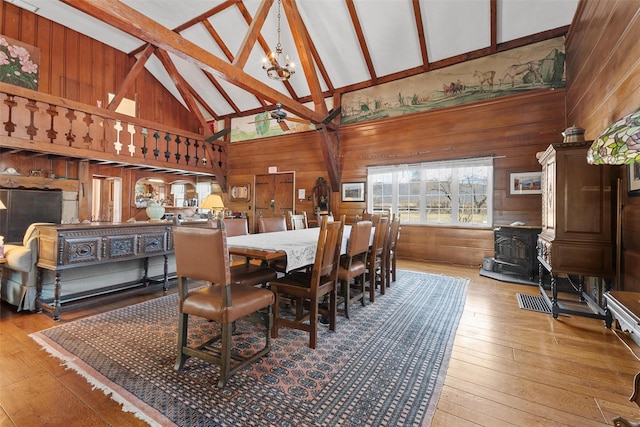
x=165 y=284
x=57 y=306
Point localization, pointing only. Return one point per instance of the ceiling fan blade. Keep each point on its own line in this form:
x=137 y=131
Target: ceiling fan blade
x=298 y=120
x=283 y=125
x=332 y=115
x=218 y=135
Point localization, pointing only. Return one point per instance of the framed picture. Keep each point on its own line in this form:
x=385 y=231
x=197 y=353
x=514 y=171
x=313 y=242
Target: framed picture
x=353 y=191
x=240 y=193
x=525 y=183
x=633 y=179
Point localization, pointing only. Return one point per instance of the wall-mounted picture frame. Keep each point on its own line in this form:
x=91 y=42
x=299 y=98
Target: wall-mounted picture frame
x=240 y=193
x=525 y=183
x=353 y=191
x=633 y=179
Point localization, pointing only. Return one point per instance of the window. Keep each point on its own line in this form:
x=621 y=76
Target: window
x=457 y=192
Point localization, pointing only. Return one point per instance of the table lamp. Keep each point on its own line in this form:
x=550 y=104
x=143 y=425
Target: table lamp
x=213 y=202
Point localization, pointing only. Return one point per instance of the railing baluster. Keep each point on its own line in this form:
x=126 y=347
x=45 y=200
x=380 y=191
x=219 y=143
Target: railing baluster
x=144 y=133
x=9 y=126
x=32 y=107
x=187 y=157
x=71 y=116
x=52 y=134
x=178 y=148
x=88 y=120
x=156 y=151
x=167 y=154
x=195 y=159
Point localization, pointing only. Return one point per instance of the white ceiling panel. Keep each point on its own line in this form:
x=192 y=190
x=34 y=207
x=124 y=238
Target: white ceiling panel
x=390 y=33
x=451 y=28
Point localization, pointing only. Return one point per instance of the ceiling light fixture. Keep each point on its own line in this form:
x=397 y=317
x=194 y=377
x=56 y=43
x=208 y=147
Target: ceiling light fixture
x=272 y=61
x=619 y=144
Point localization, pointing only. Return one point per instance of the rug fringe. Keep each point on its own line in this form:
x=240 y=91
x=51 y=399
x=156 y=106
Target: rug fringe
x=70 y=363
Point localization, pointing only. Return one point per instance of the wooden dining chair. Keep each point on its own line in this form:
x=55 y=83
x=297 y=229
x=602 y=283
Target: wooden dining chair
x=376 y=259
x=247 y=272
x=271 y=224
x=311 y=287
x=353 y=264
x=390 y=250
x=297 y=221
x=202 y=254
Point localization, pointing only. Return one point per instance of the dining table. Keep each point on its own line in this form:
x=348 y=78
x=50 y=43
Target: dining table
x=298 y=246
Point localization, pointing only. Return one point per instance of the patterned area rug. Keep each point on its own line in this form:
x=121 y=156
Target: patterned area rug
x=383 y=366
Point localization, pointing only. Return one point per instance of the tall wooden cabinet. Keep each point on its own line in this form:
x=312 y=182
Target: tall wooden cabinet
x=577 y=238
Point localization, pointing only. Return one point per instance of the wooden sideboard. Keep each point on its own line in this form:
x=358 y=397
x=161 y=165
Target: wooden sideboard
x=66 y=246
x=576 y=238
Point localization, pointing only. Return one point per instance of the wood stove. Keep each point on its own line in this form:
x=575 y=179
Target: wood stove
x=515 y=250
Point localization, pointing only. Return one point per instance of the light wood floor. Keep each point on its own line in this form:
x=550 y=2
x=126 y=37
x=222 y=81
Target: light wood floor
x=509 y=366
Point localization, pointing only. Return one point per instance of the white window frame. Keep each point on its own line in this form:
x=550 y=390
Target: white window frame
x=455 y=166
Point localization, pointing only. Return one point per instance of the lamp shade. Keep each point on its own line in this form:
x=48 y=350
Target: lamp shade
x=619 y=144
x=2 y=206
x=213 y=202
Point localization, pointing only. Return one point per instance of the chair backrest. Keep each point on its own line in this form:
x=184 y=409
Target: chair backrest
x=382 y=228
x=359 y=238
x=268 y=225
x=202 y=254
x=394 y=232
x=327 y=259
x=298 y=221
x=236 y=226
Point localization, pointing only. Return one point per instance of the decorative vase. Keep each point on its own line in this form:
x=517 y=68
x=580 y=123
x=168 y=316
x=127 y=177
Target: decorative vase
x=155 y=211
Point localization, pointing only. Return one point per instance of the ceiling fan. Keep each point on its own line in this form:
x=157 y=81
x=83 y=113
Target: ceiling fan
x=280 y=115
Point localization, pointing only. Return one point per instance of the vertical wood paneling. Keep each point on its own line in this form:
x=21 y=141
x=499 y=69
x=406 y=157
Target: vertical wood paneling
x=603 y=85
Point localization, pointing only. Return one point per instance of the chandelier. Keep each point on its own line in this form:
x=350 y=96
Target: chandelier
x=273 y=60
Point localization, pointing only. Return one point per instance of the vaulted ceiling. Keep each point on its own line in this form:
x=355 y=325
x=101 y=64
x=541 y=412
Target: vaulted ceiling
x=208 y=53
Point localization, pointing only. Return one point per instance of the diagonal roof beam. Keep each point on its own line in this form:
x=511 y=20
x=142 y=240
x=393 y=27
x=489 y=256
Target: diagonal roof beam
x=127 y=19
x=493 y=4
x=363 y=43
x=302 y=46
x=131 y=77
x=265 y=47
x=421 y=37
x=254 y=31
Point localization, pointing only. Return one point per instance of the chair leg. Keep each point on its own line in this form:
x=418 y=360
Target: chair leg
x=346 y=294
x=313 y=323
x=183 y=322
x=333 y=309
x=225 y=354
x=276 y=313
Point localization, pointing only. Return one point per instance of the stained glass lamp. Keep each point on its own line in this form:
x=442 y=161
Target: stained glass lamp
x=619 y=144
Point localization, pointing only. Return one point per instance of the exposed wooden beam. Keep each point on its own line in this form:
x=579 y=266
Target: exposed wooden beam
x=216 y=37
x=417 y=12
x=330 y=146
x=252 y=34
x=363 y=43
x=131 y=77
x=263 y=43
x=206 y=15
x=493 y=5
x=302 y=46
x=127 y=19
x=221 y=90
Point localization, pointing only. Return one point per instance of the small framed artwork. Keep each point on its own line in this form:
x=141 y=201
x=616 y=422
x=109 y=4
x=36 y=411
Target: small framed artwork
x=353 y=191
x=240 y=193
x=525 y=183
x=633 y=179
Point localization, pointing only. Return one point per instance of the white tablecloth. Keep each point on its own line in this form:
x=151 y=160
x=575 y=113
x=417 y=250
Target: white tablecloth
x=299 y=245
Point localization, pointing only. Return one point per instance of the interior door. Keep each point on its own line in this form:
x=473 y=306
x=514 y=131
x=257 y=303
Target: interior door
x=274 y=194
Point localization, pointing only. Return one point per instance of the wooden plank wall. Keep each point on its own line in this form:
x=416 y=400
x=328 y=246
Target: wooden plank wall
x=513 y=129
x=603 y=74
x=76 y=67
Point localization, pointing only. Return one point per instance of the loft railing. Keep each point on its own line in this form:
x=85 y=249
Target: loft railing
x=35 y=121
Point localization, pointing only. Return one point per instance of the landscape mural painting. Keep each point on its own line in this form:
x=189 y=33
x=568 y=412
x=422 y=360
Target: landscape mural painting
x=537 y=66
